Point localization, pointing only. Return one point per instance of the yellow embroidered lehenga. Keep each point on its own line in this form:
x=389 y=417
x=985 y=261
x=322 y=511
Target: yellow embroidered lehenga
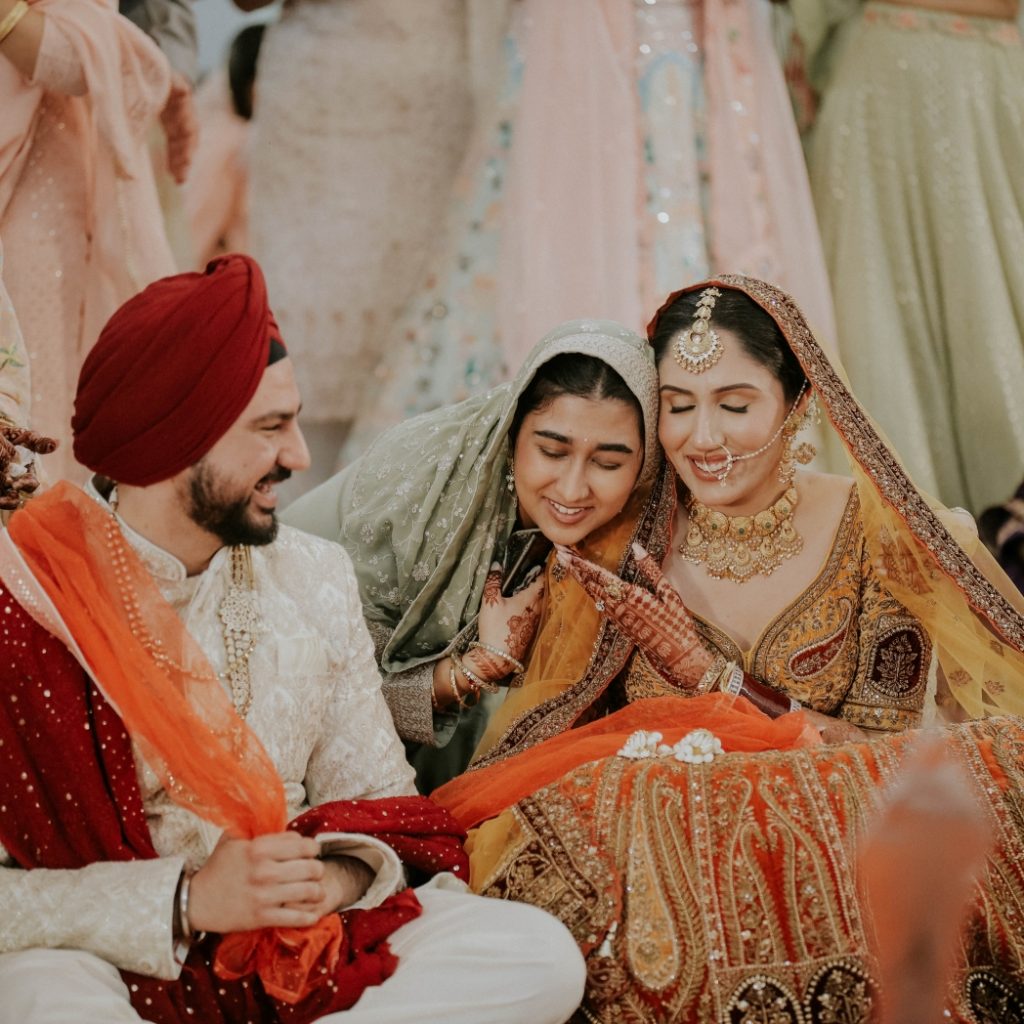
x=726 y=891
x=844 y=647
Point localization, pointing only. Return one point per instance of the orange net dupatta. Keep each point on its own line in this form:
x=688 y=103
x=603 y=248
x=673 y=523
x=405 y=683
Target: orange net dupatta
x=158 y=680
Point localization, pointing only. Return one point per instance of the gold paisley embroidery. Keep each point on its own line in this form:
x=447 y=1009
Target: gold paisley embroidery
x=993 y=999
x=815 y=658
x=879 y=463
x=843 y=993
x=740 y=873
x=764 y=1000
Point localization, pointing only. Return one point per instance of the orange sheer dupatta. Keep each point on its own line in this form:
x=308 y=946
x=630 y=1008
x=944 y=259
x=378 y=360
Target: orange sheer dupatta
x=734 y=720
x=481 y=800
x=569 y=627
x=158 y=680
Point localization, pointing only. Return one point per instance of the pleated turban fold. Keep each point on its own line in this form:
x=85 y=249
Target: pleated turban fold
x=172 y=370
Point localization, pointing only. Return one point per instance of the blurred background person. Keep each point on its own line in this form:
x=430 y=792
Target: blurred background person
x=171 y=24
x=359 y=125
x=217 y=193
x=80 y=87
x=1002 y=530
x=620 y=148
x=916 y=161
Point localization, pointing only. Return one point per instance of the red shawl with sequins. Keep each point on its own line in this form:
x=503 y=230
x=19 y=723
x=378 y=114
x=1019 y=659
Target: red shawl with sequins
x=68 y=750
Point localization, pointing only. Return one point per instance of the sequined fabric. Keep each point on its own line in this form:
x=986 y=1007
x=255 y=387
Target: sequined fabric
x=915 y=171
x=845 y=647
x=358 y=131
x=726 y=892
x=448 y=343
x=317 y=709
x=82 y=233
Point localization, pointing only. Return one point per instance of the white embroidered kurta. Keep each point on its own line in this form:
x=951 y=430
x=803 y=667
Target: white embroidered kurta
x=317 y=708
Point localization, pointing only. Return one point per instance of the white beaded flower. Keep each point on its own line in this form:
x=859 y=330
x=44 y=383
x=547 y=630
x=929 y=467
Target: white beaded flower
x=643 y=744
x=698 y=747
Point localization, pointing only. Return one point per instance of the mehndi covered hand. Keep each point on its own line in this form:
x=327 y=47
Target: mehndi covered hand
x=506 y=626
x=17 y=468
x=658 y=622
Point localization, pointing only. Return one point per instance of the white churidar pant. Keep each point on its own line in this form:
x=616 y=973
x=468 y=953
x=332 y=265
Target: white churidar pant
x=464 y=960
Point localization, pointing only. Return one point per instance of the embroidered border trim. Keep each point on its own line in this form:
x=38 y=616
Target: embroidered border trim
x=878 y=462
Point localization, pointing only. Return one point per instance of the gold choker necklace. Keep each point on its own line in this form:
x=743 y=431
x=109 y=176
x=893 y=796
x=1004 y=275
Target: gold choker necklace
x=738 y=547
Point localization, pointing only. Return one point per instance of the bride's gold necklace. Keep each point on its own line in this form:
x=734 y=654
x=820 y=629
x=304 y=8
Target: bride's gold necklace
x=738 y=547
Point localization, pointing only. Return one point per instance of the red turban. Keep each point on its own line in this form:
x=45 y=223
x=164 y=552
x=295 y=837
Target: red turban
x=172 y=370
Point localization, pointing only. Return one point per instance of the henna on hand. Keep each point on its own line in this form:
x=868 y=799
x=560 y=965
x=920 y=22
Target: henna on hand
x=508 y=624
x=492 y=585
x=658 y=622
x=521 y=630
x=486 y=665
x=18 y=480
x=651 y=571
x=20 y=437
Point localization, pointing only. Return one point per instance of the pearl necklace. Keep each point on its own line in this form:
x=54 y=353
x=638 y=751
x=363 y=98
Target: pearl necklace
x=240 y=620
x=738 y=547
x=238 y=613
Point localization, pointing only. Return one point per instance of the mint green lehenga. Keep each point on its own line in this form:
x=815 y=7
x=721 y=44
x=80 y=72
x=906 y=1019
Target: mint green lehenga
x=917 y=169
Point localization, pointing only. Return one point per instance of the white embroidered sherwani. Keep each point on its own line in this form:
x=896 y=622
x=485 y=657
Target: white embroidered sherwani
x=318 y=710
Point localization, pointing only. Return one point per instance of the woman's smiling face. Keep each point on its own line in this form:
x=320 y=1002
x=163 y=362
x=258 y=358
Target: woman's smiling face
x=736 y=405
x=576 y=461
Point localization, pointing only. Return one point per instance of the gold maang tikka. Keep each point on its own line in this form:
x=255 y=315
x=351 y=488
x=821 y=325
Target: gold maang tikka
x=699 y=348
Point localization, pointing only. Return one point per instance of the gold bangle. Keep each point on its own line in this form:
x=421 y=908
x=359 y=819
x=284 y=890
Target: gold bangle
x=712 y=674
x=453 y=682
x=14 y=15
x=518 y=668
x=474 y=680
x=731 y=679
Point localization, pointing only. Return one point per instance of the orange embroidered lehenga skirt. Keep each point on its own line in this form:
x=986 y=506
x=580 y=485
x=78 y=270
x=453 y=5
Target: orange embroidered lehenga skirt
x=727 y=891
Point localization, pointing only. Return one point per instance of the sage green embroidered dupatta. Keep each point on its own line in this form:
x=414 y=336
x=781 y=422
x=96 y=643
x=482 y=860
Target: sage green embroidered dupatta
x=425 y=510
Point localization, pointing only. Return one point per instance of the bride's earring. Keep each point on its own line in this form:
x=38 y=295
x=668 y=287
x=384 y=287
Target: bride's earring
x=510 y=476
x=802 y=453
x=787 y=464
x=805 y=451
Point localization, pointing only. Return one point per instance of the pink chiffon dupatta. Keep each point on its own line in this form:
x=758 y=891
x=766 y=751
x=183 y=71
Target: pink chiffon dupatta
x=570 y=241
x=762 y=215
x=127 y=81
x=575 y=238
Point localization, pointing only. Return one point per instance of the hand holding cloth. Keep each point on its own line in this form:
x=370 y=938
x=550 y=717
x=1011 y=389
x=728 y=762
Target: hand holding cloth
x=171 y=703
